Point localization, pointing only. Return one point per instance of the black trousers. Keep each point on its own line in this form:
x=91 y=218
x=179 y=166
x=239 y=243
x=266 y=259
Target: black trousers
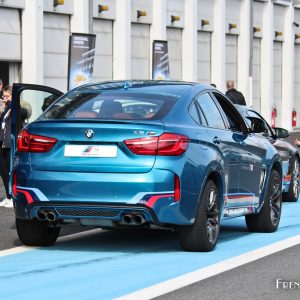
x=5 y=167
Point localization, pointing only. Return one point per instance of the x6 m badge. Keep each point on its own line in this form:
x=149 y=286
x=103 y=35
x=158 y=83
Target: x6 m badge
x=89 y=133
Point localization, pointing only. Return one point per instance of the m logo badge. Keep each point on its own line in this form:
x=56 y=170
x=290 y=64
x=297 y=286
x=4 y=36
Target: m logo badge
x=89 y=133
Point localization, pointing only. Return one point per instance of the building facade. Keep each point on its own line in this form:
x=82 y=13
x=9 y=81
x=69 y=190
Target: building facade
x=256 y=43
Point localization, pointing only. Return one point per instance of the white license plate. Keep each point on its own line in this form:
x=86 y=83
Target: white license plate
x=90 y=151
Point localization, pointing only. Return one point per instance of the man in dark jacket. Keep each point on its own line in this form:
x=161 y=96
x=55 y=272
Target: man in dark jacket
x=234 y=95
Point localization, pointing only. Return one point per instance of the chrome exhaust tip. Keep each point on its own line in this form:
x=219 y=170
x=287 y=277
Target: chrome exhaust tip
x=127 y=219
x=41 y=216
x=138 y=219
x=51 y=216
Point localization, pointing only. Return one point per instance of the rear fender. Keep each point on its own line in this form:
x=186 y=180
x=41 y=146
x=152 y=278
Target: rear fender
x=215 y=172
x=276 y=165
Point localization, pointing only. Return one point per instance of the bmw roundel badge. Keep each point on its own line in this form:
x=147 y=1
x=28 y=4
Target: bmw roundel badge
x=89 y=133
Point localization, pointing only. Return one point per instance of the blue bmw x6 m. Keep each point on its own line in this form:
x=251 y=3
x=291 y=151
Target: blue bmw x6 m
x=154 y=154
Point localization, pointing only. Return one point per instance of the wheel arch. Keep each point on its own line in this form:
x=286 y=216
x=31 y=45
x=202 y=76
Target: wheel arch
x=217 y=178
x=277 y=166
x=289 y=193
x=216 y=173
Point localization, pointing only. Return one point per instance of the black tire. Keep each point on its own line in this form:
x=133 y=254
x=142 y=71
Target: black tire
x=292 y=194
x=203 y=234
x=36 y=233
x=268 y=218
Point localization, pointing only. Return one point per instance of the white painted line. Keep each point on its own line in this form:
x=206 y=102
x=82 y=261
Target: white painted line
x=62 y=239
x=203 y=273
x=16 y=250
x=81 y=234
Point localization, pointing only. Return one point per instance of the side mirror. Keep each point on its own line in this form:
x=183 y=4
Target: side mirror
x=257 y=125
x=281 y=133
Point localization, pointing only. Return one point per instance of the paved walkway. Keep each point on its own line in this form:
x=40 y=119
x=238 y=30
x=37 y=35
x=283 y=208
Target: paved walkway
x=2 y=190
x=107 y=264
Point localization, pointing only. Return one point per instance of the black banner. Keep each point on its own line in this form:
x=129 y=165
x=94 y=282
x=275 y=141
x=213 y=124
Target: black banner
x=81 y=59
x=160 y=66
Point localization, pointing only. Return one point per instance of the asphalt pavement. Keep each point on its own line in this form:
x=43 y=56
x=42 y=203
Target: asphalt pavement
x=8 y=233
x=108 y=264
x=256 y=280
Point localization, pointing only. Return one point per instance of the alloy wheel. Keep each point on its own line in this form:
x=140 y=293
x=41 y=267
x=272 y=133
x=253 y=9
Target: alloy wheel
x=275 y=200
x=296 y=180
x=213 y=219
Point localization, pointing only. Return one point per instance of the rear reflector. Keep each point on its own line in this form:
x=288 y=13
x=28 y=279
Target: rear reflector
x=15 y=190
x=176 y=188
x=34 y=143
x=168 y=144
x=14 y=184
x=152 y=200
x=26 y=194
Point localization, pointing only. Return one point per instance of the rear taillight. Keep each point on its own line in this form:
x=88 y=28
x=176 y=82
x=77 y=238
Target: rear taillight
x=168 y=144
x=172 y=144
x=34 y=143
x=143 y=146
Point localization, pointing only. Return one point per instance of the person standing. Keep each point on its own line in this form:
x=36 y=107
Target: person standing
x=1 y=88
x=5 y=140
x=234 y=95
x=1 y=95
x=5 y=130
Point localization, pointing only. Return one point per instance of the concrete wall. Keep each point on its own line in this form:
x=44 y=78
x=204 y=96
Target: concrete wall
x=202 y=45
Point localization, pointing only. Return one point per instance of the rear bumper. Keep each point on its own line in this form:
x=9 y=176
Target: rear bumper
x=67 y=211
x=106 y=215
x=149 y=193
x=127 y=188
x=154 y=208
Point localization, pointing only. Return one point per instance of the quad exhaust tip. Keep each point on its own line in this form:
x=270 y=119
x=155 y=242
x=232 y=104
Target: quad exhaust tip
x=129 y=219
x=46 y=215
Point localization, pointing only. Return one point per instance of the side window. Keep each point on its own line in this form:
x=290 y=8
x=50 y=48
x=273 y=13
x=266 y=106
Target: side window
x=268 y=132
x=193 y=111
x=235 y=120
x=210 y=111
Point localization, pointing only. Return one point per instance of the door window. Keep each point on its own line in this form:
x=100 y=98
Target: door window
x=29 y=102
x=235 y=120
x=35 y=103
x=268 y=132
x=210 y=111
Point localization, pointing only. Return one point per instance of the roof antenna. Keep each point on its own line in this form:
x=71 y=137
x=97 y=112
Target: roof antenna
x=127 y=84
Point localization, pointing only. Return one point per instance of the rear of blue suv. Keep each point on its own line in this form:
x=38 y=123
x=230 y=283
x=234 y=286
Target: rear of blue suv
x=120 y=157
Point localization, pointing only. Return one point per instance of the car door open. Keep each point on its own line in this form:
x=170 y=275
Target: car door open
x=28 y=103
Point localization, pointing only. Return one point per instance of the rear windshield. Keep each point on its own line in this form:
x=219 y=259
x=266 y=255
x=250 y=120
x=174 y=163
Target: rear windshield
x=110 y=105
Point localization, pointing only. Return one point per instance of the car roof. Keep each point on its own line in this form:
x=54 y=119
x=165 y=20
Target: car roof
x=173 y=88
